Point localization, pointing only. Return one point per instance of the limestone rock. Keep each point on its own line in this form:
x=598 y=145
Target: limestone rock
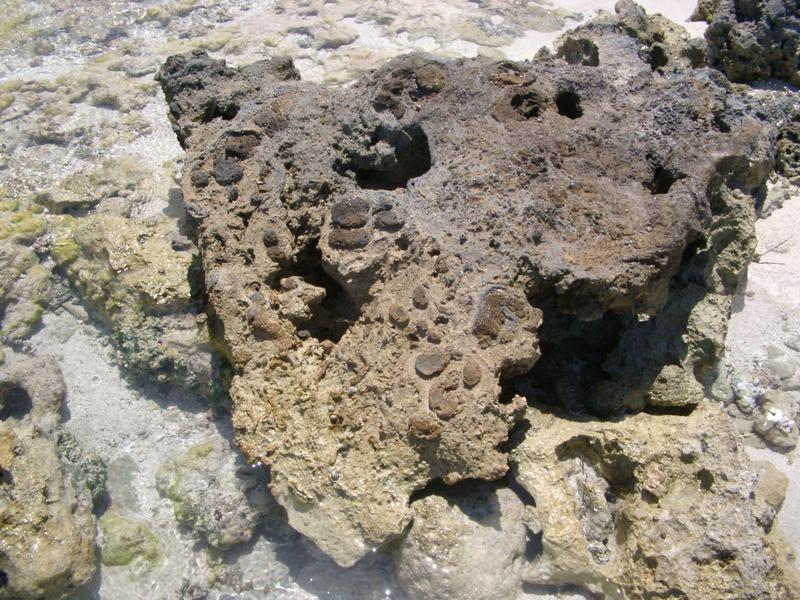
x=469 y=546
x=648 y=505
x=33 y=389
x=751 y=40
x=776 y=421
x=582 y=189
x=136 y=276
x=47 y=529
x=219 y=503
x=47 y=539
x=125 y=540
x=770 y=492
x=25 y=286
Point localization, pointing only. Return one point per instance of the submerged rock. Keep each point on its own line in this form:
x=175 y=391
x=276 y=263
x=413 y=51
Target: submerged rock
x=469 y=546
x=47 y=529
x=220 y=503
x=125 y=540
x=370 y=350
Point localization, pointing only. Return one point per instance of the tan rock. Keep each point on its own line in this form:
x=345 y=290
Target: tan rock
x=650 y=504
x=47 y=529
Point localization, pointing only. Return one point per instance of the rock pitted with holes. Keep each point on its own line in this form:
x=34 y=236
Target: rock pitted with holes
x=375 y=255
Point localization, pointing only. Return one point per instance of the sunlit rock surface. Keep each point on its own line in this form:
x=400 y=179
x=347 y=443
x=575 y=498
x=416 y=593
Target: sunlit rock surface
x=47 y=529
x=378 y=257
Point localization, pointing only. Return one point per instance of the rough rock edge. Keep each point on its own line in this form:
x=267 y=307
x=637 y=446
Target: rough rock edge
x=267 y=295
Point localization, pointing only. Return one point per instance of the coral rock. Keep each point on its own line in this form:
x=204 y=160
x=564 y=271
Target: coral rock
x=635 y=508
x=582 y=185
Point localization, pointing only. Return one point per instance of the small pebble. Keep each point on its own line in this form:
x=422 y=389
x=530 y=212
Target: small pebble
x=432 y=363
x=419 y=297
x=471 y=373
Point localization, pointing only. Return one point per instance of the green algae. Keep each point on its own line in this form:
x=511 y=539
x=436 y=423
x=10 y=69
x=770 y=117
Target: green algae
x=21 y=221
x=125 y=540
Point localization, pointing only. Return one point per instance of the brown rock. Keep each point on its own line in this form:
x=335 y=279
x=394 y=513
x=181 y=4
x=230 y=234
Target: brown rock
x=445 y=404
x=351 y=213
x=471 y=373
x=398 y=316
x=419 y=297
x=586 y=209
x=432 y=363
x=349 y=239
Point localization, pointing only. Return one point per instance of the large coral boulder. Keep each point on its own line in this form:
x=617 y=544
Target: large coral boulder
x=375 y=256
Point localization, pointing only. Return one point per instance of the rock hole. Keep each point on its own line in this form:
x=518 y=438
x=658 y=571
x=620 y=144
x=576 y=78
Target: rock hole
x=437 y=487
x=662 y=180
x=3 y=579
x=675 y=411
x=227 y=110
x=569 y=104
x=705 y=478
x=15 y=402
x=570 y=368
x=402 y=154
x=527 y=104
x=579 y=51
x=657 y=57
x=746 y=10
x=337 y=312
x=606 y=459
x=649 y=497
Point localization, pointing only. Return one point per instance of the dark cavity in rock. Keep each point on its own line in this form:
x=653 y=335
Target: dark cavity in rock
x=410 y=158
x=15 y=402
x=569 y=105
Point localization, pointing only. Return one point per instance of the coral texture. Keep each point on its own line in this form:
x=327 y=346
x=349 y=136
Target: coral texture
x=379 y=258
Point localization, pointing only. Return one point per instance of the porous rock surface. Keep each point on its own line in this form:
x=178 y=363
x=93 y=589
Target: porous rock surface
x=47 y=529
x=375 y=256
x=751 y=40
x=650 y=506
x=469 y=545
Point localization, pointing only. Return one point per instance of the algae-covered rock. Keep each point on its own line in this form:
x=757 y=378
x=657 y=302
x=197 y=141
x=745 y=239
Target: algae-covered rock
x=47 y=529
x=120 y=176
x=25 y=284
x=647 y=505
x=125 y=540
x=469 y=546
x=88 y=469
x=136 y=275
x=46 y=525
x=220 y=502
x=704 y=11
